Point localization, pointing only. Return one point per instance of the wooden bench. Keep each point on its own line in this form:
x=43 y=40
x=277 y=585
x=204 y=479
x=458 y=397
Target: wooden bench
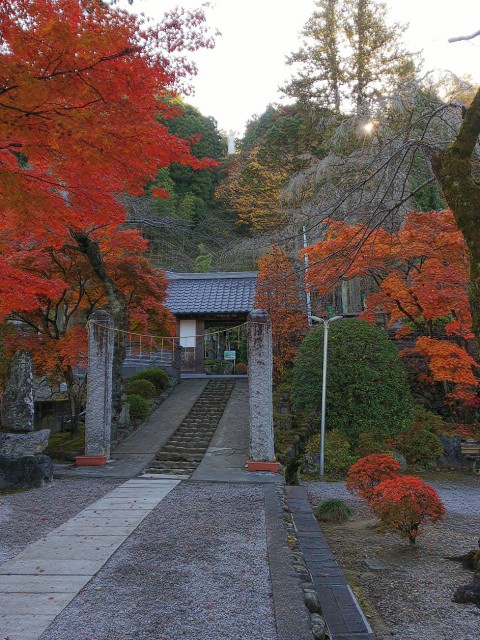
x=471 y=451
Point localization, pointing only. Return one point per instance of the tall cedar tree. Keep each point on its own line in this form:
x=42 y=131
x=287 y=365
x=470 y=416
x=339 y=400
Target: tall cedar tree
x=278 y=293
x=83 y=105
x=422 y=273
x=350 y=56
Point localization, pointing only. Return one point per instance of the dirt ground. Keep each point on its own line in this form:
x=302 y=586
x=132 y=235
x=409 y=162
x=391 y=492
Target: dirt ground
x=411 y=597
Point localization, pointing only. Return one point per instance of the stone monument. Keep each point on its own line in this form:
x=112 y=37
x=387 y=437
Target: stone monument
x=260 y=367
x=98 y=415
x=21 y=447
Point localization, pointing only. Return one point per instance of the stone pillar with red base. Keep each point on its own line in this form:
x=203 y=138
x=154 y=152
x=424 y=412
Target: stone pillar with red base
x=260 y=367
x=98 y=416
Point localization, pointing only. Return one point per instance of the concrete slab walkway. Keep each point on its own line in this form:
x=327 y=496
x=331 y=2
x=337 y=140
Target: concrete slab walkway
x=135 y=453
x=39 y=582
x=159 y=558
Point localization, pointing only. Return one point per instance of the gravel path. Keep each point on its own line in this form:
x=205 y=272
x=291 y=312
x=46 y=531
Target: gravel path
x=195 y=569
x=29 y=515
x=412 y=598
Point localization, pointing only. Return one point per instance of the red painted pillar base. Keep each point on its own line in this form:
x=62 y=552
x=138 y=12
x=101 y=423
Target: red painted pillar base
x=90 y=461
x=263 y=466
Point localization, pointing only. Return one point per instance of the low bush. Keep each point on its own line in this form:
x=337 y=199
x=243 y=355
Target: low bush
x=368 y=472
x=142 y=388
x=404 y=504
x=368 y=444
x=241 y=368
x=338 y=454
x=420 y=444
x=139 y=407
x=155 y=375
x=333 y=510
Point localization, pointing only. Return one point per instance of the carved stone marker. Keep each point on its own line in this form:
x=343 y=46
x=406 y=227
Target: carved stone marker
x=260 y=366
x=22 y=464
x=98 y=416
x=17 y=405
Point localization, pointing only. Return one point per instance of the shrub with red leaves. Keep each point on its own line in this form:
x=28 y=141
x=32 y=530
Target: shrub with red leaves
x=404 y=504
x=368 y=472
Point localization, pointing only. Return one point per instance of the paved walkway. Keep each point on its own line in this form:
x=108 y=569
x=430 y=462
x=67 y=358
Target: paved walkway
x=155 y=558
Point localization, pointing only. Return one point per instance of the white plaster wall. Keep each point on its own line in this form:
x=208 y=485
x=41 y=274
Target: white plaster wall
x=187 y=333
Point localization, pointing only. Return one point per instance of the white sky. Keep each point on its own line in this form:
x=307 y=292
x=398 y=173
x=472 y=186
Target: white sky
x=241 y=76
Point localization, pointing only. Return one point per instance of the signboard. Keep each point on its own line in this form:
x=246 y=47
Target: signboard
x=229 y=355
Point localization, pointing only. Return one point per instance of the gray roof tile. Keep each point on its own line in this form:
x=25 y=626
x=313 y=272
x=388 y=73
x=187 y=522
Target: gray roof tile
x=198 y=293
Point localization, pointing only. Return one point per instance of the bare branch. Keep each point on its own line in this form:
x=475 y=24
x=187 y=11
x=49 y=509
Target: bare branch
x=470 y=37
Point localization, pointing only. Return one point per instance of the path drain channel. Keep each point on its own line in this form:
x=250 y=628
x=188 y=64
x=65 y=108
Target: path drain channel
x=184 y=451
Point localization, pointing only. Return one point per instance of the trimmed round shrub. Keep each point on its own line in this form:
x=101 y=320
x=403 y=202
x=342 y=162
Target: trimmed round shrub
x=404 y=504
x=142 y=388
x=333 y=510
x=155 y=375
x=139 y=407
x=367 y=388
x=421 y=443
x=368 y=472
x=338 y=454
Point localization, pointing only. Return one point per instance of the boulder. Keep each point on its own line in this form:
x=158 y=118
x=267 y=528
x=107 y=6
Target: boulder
x=24 y=444
x=25 y=472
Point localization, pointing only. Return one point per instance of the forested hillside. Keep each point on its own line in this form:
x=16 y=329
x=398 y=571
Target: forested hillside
x=353 y=142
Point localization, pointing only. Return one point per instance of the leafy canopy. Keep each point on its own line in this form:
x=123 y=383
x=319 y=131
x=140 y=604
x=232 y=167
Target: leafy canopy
x=367 y=389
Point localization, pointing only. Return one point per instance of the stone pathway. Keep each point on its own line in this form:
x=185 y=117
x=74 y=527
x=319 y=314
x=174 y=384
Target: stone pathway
x=38 y=583
x=185 y=449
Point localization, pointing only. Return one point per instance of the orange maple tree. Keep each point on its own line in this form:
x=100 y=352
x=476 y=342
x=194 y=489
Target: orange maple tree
x=278 y=293
x=421 y=272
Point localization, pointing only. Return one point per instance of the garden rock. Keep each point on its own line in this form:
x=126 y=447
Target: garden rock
x=25 y=472
x=24 y=444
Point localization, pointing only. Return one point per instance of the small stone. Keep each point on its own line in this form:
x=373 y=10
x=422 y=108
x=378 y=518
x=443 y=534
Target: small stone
x=311 y=601
x=319 y=630
x=373 y=564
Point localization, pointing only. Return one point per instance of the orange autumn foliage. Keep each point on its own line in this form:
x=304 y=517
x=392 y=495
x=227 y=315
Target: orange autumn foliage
x=278 y=293
x=422 y=274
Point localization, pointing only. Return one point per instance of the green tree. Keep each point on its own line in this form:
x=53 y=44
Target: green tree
x=367 y=389
x=350 y=56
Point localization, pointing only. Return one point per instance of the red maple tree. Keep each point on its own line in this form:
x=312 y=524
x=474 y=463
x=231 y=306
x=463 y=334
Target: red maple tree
x=278 y=293
x=84 y=97
x=421 y=272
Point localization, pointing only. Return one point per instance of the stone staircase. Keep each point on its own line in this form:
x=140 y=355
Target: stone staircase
x=184 y=451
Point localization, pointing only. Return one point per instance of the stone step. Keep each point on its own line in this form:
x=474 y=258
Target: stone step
x=178 y=457
x=185 y=450
x=178 y=472
x=189 y=442
x=177 y=464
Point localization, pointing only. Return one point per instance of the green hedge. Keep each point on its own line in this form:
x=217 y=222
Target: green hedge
x=143 y=388
x=139 y=407
x=367 y=388
x=155 y=375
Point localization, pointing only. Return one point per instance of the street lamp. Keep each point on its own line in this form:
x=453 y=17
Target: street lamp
x=326 y=325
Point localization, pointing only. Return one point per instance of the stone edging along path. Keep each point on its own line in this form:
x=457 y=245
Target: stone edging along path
x=38 y=583
x=343 y=615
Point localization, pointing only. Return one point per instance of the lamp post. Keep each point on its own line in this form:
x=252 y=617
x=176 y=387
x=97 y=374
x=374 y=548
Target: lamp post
x=326 y=326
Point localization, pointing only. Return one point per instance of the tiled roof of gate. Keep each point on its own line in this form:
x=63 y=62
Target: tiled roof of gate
x=225 y=292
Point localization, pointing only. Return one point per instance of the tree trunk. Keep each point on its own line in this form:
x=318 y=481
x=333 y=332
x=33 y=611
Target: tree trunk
x=75 y=404
x=453 y=168
x=118 y=309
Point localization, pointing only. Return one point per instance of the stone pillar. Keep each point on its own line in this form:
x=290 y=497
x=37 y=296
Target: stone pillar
x=17 y=406
x=260 y=366
x=98 y=417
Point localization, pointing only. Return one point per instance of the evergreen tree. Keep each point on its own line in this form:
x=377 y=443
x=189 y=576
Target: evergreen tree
x=350 y=56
